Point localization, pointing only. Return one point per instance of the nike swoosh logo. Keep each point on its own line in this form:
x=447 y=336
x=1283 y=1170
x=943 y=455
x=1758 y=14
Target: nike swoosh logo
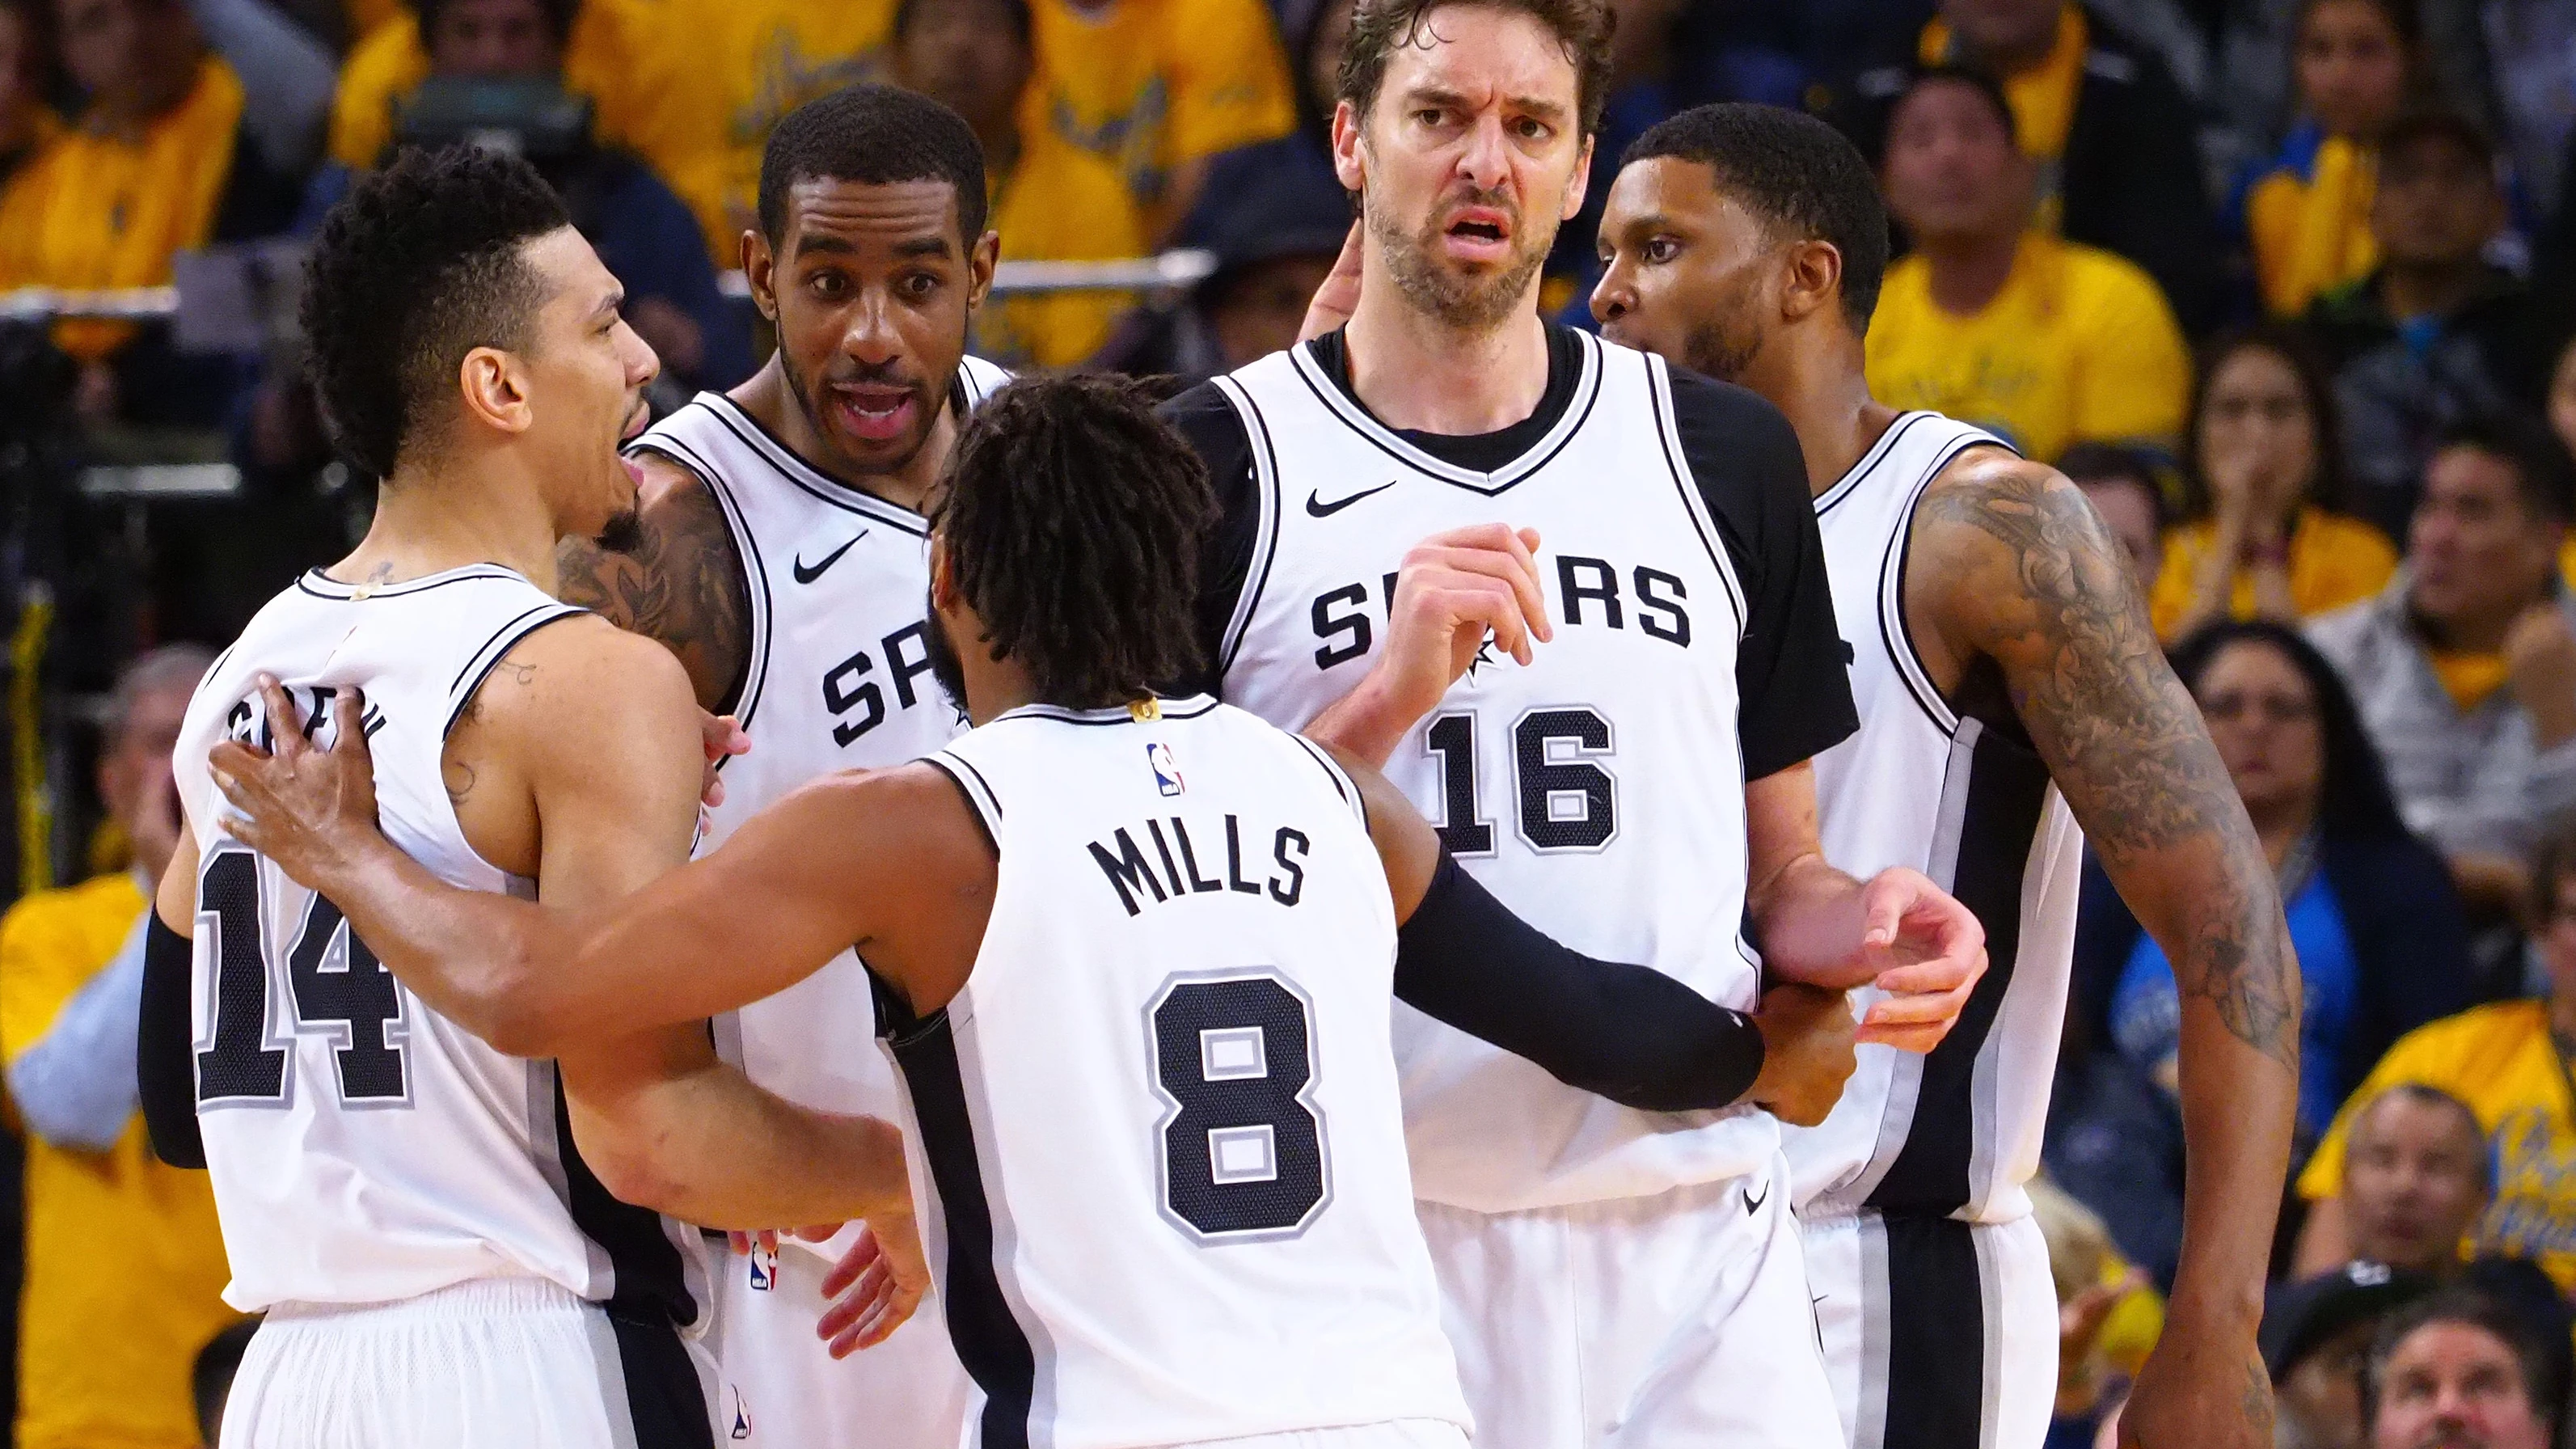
x=1754 y=1204
x=807 y=575
x=1316 y=507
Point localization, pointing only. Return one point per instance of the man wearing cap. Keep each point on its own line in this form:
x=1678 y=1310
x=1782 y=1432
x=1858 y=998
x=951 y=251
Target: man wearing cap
x=2316 y=1336
x=2437 y=333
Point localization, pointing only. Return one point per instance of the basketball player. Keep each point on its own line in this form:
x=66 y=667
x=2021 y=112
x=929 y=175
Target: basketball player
x=2005 y=673
x=440 y=1234
x=1134 y=956
x=1610 y=1277
x=782 y=559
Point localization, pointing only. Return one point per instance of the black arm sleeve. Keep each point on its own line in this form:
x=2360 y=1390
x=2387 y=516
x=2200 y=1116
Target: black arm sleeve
x=1628 y=1033
x=1794 y=696
x=162 y=1071
x=1204 y=417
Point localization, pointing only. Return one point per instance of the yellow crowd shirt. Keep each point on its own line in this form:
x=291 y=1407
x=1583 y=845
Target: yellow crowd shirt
x=1149 y=85
x=2078 y=347
x=2499 y=1060
x=2042 y=98
x=2334 y=561
x=102 y=210
x=2310 y=233
x=124 y=1262
x=1057 y=204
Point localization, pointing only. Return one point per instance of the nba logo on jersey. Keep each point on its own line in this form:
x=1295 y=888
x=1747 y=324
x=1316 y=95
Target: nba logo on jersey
x=741 y=1417
x=1167 y=772
x=764 y=1267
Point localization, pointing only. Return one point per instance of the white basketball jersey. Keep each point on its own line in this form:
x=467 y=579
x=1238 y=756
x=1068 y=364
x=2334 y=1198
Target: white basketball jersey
x=362 y=1147
x=1158 y=1133
x=1599 y=793
x=838 y=678
x=1955 y=1132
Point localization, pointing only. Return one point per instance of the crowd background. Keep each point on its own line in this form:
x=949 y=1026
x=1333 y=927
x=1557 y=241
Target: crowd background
x=2289 y=286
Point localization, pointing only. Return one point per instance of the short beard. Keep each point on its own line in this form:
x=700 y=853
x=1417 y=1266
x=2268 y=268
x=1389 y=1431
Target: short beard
x=944 y=665
x=1717 y=348
x=623 y=533
x=1459 y=304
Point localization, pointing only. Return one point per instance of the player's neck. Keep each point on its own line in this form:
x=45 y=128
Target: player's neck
x=1822 y=391
x=432 y=519
x=1416 y=373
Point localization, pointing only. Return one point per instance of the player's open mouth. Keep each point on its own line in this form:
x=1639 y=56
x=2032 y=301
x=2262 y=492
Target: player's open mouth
x=878 y=414
x=1479 y=233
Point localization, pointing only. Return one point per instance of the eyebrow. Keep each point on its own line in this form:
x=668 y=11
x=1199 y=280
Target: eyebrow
x=614 y=301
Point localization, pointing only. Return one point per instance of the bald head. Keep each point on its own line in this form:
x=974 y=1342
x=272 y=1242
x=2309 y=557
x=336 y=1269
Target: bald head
x=2415 y=1178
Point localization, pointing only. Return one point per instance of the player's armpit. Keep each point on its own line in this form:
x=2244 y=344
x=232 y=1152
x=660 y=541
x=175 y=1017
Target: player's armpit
x=682 y=584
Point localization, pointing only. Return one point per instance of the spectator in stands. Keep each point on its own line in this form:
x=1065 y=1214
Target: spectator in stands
x=1273 y=248
x=157 y=162
x=2465 y=667
x=2108 y=133
x=2435 y=333
x=2457 y=1371
x=27 y=123
x=2316 y=1341
x=1050 y=201
x=2509 y=1063
x=2305 y=214
x=2109 y=1316
x=2122 y=486
x=1302 y=159
x=643 y=233
x=124 y=1261
x=2560 y=407
x=2265 y=541
x=1159 y=87
x=691 y=86
x=2381 y=944
x=2048 y=342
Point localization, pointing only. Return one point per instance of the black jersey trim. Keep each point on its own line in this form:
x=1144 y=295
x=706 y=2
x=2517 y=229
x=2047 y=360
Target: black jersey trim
x=322 y=586
x=479 y=666
x=666 y=1402
x=1936 y=1339
x=1895 y=626
x=991 y=1342
x=755 y=569
x=1343 y=784
x=1265 y=487
x=970 y=782
x=2003 y=802
x=1557 y=439
x=1849 y=484
x=805 y=475
x=648 y=1280
x=1695 y=506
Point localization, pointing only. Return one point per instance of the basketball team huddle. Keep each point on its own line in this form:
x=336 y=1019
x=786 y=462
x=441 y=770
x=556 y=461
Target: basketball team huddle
x=1465 y=882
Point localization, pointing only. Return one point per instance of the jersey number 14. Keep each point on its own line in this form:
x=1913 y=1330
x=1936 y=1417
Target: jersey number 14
x=336 y=986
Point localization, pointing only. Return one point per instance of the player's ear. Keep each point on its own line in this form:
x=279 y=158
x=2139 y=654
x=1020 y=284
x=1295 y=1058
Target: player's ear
x=943 y=583
x=495 y=390
x=1581 y=182
x=981 y=259
x=760 y=269
x=1346 y=146
x=1813 y=281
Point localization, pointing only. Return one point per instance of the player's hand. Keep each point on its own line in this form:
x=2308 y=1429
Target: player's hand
x=2199 y=1390
x=1339 y=296
x=875 y=1287
x=1807 y=1037
x=722 y=737
x=311 y=810
x=1454 y=592
x=1929 y=953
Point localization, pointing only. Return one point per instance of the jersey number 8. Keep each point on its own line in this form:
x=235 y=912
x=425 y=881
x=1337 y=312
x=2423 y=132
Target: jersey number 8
x=337 y=986
x=1242 y=1150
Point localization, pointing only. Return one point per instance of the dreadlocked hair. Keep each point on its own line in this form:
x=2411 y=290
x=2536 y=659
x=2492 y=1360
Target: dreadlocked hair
x=1073 y=519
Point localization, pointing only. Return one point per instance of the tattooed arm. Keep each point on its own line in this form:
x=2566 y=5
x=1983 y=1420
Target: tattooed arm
x=683 y=584
x=2009 y=562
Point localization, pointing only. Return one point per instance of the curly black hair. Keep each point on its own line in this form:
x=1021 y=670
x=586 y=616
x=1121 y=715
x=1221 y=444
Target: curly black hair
x=1793 y=172
x=417 y=266
x=875 y=135
x=1073 y=519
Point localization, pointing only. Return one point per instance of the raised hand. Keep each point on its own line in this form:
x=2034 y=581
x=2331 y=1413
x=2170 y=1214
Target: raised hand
x=311 y=810
x=1453 y=592
x=1339 y=296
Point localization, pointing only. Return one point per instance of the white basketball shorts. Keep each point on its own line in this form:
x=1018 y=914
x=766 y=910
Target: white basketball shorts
x=1678 y=1321
x=1938 y=1334
x=908 y=1392
x=495 y=1361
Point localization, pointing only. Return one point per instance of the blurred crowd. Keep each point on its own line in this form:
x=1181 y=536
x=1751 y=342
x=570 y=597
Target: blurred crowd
x=2289 y=286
